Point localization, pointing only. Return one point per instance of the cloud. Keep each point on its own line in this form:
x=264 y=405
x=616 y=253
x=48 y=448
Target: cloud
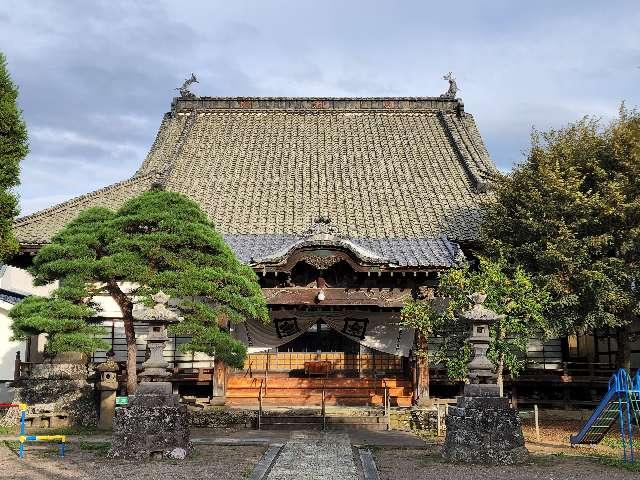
x=95 y=78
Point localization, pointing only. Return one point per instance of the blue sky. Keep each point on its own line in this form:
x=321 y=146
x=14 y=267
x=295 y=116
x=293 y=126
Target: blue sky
x=96 y=77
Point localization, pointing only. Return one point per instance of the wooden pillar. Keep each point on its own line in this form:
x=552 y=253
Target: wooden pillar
x=514 y=395
x=219 y=381
x=422 y=370
x=17 y=365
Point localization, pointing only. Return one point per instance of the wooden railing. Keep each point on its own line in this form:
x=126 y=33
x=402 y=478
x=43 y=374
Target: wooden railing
x=340 y=361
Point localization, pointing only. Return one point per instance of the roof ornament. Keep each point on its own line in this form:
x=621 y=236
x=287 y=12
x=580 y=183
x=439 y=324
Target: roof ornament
x=321 y=226
x=453 y=86
x=184 y=89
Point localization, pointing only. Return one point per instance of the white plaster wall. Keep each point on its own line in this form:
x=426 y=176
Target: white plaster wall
x=8 y=349
x=19 y=281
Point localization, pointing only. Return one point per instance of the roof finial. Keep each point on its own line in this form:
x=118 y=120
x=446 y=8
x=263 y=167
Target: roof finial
x=453 y=86
x=184 y=89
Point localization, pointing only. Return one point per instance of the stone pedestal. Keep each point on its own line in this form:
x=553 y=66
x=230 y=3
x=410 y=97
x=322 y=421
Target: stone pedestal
x=107 y=386
x=153 y=425
x=483 y=429
x=57 y=394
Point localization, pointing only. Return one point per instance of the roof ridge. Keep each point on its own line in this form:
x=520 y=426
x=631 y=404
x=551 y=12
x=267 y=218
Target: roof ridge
x=27 y=218
x=319 y=104
x=182 y=139
x=468 y=162
x=166 y=118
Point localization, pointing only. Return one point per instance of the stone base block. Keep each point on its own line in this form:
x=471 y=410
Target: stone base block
x=57 y=395
x=151 y=426
x=484 y=430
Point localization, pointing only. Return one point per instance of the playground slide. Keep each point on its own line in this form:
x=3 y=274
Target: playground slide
x=601 y=420
x=620 y=404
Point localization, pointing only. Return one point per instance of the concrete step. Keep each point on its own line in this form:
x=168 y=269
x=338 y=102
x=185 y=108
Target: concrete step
x=311 y=422
x=298 y=401
x=291 y=419
x=291 y=426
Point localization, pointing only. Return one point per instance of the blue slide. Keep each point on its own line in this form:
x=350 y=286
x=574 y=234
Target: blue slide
x=621 y=403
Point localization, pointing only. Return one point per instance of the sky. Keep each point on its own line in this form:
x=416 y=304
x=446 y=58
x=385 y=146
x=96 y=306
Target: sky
x=95 y=77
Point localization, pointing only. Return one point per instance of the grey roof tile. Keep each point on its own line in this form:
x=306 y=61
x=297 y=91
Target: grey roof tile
x=379 y=168
x=401 y=252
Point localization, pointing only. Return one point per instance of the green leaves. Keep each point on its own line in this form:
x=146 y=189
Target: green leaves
x=156 y=241
x=64 y=322
x=570 y=215
x=512 y=294
x=13 y=148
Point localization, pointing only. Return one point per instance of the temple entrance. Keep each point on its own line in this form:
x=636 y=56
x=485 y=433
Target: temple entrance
x=322 y=351
x=321 y=364
x=320 y=337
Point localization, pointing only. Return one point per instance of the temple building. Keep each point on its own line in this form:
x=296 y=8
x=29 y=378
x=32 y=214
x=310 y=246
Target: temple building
x=345 y=208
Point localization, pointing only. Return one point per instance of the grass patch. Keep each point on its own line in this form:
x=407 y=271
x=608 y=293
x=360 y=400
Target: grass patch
x=68 y=431
x=99 y=448
x=12 y=445
x=246 y=473
x=430 y=459
x=612 y=442
x=544 y=460
x=8 y=430
x=618 y=463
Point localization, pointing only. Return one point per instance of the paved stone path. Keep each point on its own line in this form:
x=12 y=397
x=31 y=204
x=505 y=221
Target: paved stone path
x=315 y=455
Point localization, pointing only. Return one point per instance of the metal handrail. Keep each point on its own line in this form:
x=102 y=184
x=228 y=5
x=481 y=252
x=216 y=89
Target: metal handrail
x=324 y=410
x=386 y=402
x=260 y=405
x=249 y=371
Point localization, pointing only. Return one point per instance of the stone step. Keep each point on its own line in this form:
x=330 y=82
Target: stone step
x=303 y=422
x=291 y=419
x=298 y=401
x=342 y=420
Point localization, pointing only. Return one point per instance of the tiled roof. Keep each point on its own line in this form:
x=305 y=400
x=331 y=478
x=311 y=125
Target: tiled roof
x=400 y=252
x=38 y=228
x=10 y=297
x=380 y=169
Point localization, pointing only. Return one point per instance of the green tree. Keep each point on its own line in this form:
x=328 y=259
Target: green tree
x=157 y=241
x=570 y=215
x=64 y=321
x=511 y=294
x=13 y=148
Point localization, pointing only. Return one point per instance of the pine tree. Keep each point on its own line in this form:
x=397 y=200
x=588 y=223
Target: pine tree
x=13 y=148
x=157 y=241
x=570 y=215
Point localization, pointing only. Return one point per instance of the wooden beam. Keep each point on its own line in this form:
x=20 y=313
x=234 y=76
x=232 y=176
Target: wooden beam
x=389 y=316
x=380 y=297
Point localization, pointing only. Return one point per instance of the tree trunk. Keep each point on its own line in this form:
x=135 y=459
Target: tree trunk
x=623 y=357
x=132 y=350
x=126 y=306
x=422 y=367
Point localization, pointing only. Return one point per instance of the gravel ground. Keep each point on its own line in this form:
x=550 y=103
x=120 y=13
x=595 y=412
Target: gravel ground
x=425 y=464
x=209 y=462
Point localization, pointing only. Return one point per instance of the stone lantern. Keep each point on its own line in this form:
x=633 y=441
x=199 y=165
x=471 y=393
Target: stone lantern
x=481 y=370
x=155 y=367
x=482 y=427
x=154 y=423
x=107 y=385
